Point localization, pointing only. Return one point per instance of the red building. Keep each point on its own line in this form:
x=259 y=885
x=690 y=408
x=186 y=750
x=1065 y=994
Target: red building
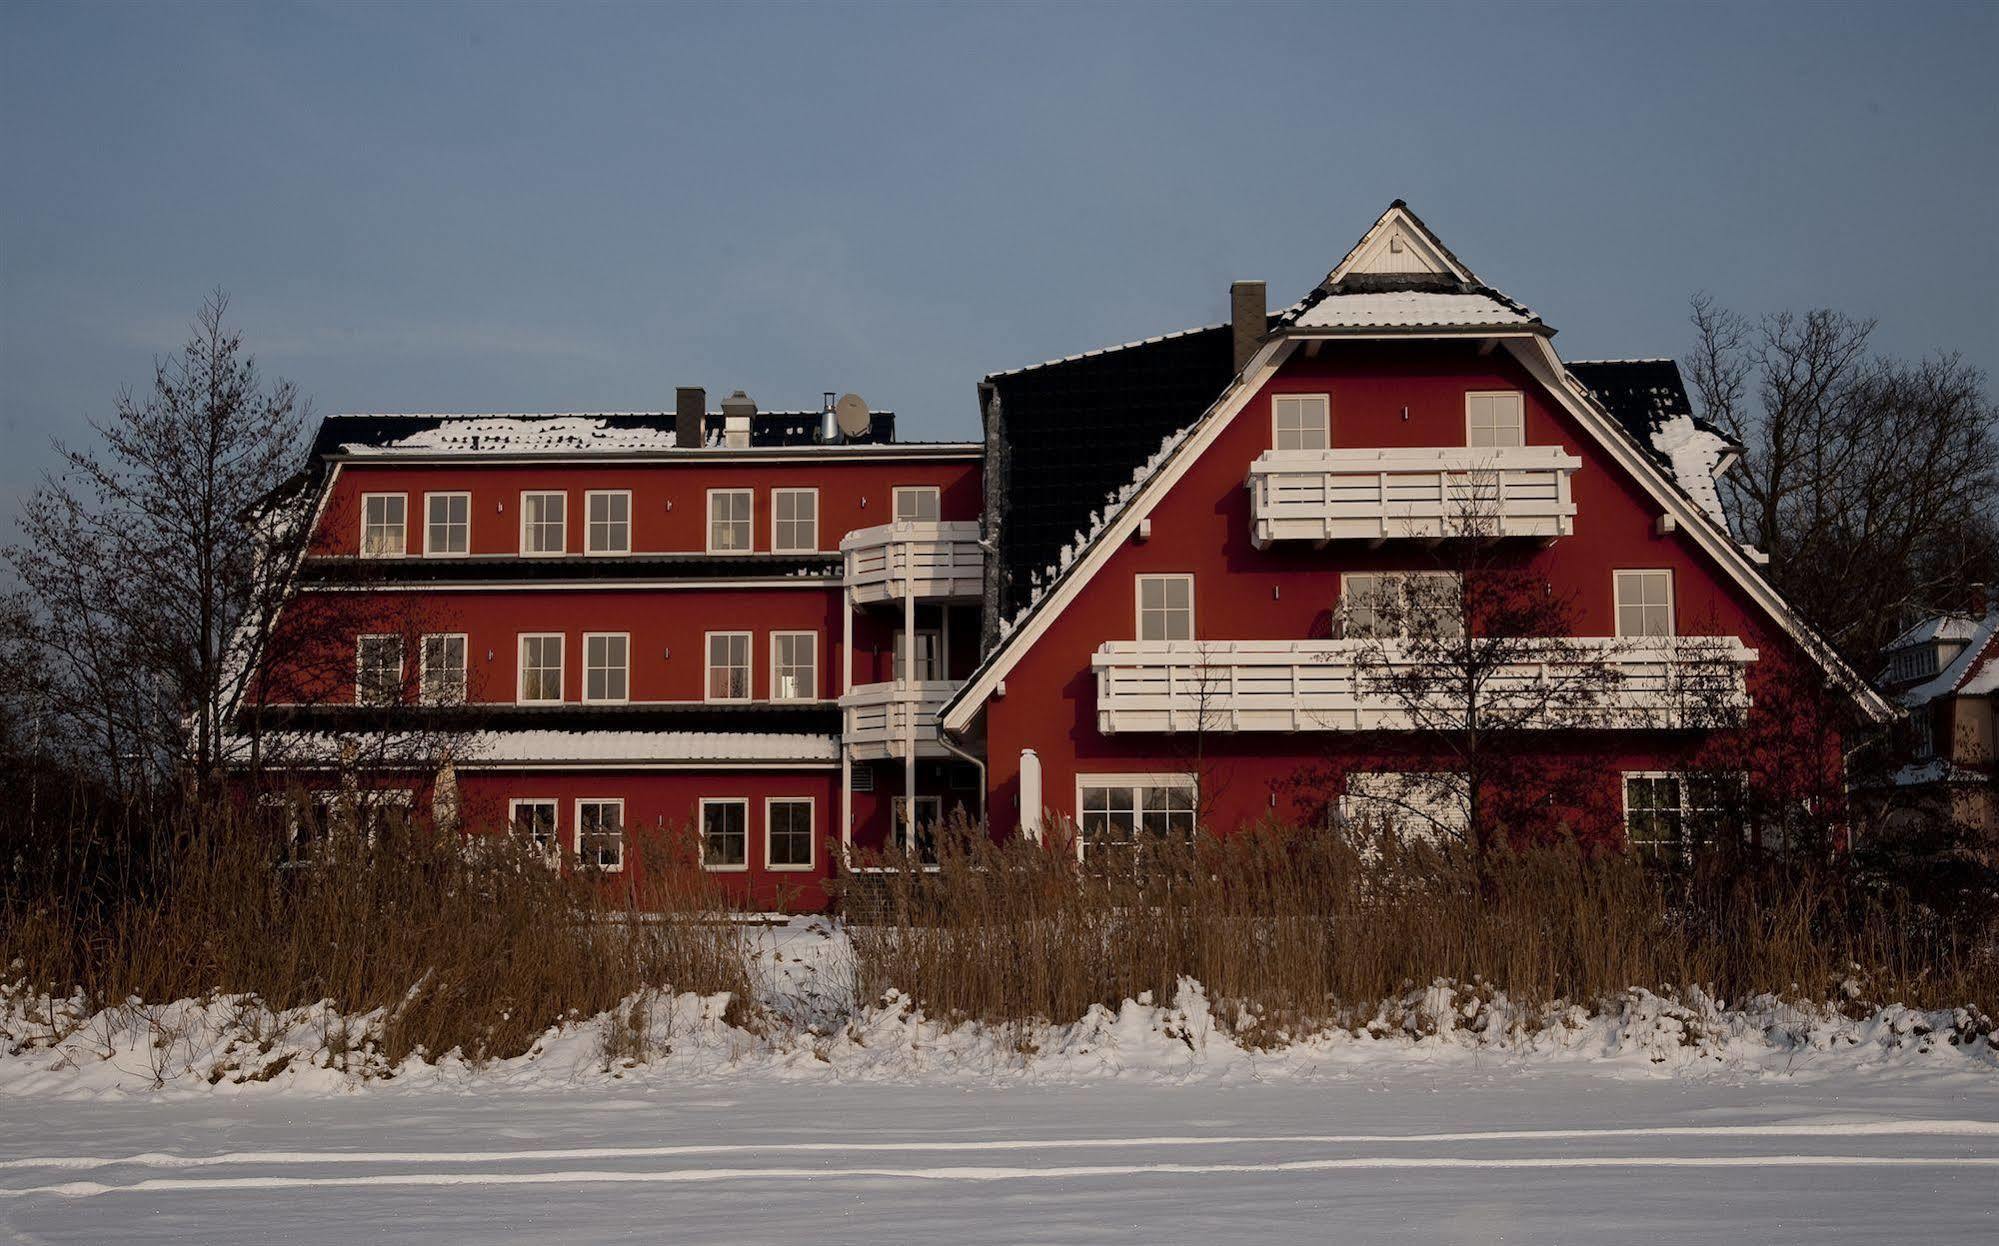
x=1152 y=594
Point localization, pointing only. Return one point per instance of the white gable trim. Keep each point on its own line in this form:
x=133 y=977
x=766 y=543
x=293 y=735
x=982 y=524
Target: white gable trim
x=1537 y=355
x=1424 y=252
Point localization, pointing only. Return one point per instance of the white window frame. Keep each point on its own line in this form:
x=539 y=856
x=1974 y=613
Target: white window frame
x=1136 y=782
x=776 y=680
x=777 y=522
x=521 y=668
x=1411 y=799
x=562 y=541
x=626 y=670
x=898 y=825
x=553 y=852
x=811 y=834
x=903 y=668
x=1518 y=415
x=1344 y=609
x=724 y=868
x=1618 y=580
x=900 y=491
x=749 y=667
x=590 y=524
x=1138 y=583
x=1309 y=406
x=623 y=831
x=749 y=521
x=361 y=690
x=429 y=524
x=464 y=668
x=402 y=548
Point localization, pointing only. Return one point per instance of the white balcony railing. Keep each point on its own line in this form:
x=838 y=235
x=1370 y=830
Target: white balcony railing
x=1368 y=685
x=923 y=558
x=882 y=720
x=1377 y=495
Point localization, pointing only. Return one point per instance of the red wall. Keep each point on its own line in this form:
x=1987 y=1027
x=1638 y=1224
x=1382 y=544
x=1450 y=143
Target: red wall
x=1382 y=395
x=852 y=494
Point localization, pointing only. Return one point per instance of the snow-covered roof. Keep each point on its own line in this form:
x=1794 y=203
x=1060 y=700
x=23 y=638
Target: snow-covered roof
x=1974 y=672
x=1696 y=455
x=557 y=748
x=1649 y=401
x=1947 y=627
x=522 y=434
x=1411 y=309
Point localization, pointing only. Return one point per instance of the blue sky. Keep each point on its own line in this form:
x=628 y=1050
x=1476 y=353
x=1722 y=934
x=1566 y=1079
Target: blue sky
x=447 y=208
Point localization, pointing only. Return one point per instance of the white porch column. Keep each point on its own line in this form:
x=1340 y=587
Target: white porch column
x=1030 y=794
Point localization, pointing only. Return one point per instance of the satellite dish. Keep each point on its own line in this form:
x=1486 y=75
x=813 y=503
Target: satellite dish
x=853 y=415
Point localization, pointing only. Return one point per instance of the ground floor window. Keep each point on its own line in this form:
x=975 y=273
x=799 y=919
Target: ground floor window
x=918 y=835
x=1669 y=816
x=788 y=834
x=725 y=834
x=1116 y=813
x=1431 y=805
x=534 y=821
x=600 y=834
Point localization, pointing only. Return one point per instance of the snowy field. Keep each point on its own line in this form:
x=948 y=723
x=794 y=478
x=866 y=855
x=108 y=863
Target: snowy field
x=1454 y=1119
x=1468 y=1152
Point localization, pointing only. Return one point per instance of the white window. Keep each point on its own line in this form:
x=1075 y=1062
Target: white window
x=1644 y=603
x=728 y=666
x=378 y=669
x=794 y=666
x=794 y=521
x=918 y=504
x=1422 y=604
x=607 y=521
x=442 y=668
x=541 y=668
x=1495 y=420
x=1669 y=816
x=788 y=833
x=447 y=529
x=929 y=656
x=600 y=834
x=729 y=527
x=544 y=524
x=725 y=834
x=1117 y=812
x=384 y=525
x=534 y=821
x=606 y=666
x=1431 y=805
x=1922 y=733
x=1166 y=607
x=1301 y=422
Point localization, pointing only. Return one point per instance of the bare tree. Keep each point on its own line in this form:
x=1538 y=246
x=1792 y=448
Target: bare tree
x=140 y=560
x=1873 y=483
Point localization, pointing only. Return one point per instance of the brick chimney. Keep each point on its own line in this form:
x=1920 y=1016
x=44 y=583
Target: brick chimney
x=1247 y=318
x=690 y=410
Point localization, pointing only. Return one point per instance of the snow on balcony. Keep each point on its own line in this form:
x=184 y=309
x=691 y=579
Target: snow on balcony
x=921 y=558
x=885 y=720
x=1378 y=495
x=1349 y=685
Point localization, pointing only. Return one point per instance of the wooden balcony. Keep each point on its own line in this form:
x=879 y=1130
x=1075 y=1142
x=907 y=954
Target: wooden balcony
x=1352 y=685
x=1382 y=495
x=882 y=720
x=921 y=559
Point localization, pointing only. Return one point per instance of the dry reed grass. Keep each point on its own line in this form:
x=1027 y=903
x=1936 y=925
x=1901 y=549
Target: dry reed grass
x=1291 y=929
x=470 y=943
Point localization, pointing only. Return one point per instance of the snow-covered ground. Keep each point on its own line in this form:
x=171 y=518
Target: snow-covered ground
x=1454 y=1118
x=1499 y=1151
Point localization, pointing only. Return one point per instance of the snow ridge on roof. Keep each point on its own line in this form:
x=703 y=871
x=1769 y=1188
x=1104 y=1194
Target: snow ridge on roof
x=524 y=434
x=1956 y=627
x=555 y=747
x=1410 y=309
x=1973 y=673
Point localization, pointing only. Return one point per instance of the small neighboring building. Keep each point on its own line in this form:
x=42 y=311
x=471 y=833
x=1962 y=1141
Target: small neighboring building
x=1944 y=673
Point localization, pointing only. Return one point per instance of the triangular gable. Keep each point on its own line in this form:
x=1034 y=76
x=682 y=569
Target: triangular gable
x=1399 y=245
x=1537 y=355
